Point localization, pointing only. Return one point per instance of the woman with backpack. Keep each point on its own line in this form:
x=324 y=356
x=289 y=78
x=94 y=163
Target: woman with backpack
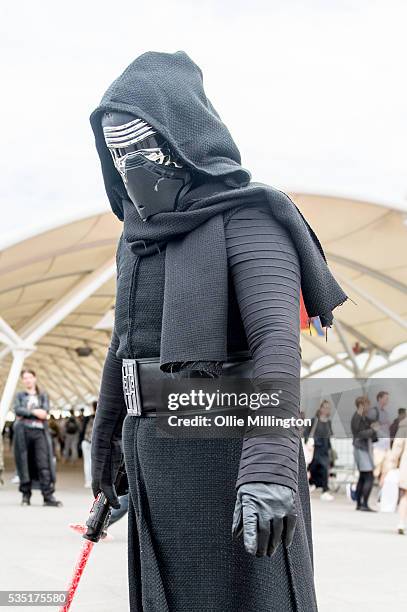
x=71 y=438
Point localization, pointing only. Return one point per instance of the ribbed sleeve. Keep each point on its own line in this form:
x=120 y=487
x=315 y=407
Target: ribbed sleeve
x=266 y=276
x=111 y=409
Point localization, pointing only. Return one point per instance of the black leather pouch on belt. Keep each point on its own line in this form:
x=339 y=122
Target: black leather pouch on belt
x=143 y=381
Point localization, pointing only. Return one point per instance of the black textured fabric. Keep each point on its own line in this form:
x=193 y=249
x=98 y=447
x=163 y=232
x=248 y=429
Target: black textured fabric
x=167 y=91
x=182 y=557
x=139 y=306
x=264 y=291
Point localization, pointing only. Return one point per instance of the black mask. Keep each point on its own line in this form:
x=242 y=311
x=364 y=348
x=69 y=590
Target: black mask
x=154 y=179
x=154 y=188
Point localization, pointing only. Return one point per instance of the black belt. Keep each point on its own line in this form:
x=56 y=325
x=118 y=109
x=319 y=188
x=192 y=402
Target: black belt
x=142 y=381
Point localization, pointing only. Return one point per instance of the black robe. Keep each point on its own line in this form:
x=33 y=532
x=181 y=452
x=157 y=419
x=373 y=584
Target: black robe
x=182 y=492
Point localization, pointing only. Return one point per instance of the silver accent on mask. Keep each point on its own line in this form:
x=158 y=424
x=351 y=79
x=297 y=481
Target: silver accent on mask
x=119 y=137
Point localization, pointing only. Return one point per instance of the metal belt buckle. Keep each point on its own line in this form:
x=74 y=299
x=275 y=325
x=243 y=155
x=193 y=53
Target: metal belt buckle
x=131 y=387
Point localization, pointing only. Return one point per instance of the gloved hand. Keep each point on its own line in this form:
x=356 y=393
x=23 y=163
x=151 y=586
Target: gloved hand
x=105 y=462
x=106 y=452
x=265 y=514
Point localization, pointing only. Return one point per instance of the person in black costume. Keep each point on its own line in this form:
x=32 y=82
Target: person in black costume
x=364 y=433
x=209 y=266
x=321 y=431
x=32 y=441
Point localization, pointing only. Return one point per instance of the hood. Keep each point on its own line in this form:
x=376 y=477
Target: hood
x=166 y=90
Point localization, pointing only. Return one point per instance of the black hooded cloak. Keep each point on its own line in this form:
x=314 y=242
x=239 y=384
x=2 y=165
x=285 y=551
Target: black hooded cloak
x=166 y=90
x=181 y=556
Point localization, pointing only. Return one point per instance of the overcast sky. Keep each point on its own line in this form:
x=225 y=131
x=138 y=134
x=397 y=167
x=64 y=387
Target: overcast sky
x=314 y=93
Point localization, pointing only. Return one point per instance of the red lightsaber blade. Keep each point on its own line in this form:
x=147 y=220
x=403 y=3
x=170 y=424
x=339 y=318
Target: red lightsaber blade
x=94 y=530
x=77 y=574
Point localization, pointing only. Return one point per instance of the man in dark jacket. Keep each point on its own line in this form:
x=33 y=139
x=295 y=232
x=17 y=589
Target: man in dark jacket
x=71 y=438
x=364 y=433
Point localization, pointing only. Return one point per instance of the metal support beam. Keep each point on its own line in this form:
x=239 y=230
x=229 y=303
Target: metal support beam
x=50 y=317
x=386 y=365
x=327 y=351
x=356 y=265
x=310 y=373
x=11 y=338
x=342 y=336
x=361 y=337
x=374 y=302
x=365 y=368
x=11 y=383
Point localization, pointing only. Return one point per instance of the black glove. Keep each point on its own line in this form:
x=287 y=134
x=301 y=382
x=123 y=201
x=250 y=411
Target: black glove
x=106 y=452
x=265 y=514
x=106 y=458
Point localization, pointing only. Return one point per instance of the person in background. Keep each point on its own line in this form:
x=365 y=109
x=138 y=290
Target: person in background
x=86 y=437
x=380 y=415
x=61 y=427
x=401 y=414
x=71 y=437
x=397 y=458
x=1 y=459
x=321 y=432
x=364 y=433
x=81 y=423
x=9 y=433
x=32 y=441
x=54 y=431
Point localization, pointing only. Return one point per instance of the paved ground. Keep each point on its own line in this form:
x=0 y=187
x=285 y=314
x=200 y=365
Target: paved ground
x=361 y=562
